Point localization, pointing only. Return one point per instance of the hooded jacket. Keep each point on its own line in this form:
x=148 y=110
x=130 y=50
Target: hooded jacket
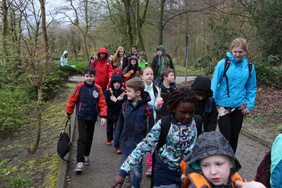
x=165 y=92
x=132 y=124
x=104 y=69
x=87 y=98
x=206 y=107
x=209 y=144
x=242 y=86
x=64 y=60
x=156 y=64
x=276 y=163
x=114 y=107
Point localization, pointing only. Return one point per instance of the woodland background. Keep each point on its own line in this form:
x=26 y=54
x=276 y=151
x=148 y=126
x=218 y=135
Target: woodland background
x=34 y=34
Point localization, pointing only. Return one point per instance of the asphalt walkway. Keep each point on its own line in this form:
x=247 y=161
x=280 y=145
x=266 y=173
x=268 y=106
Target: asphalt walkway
x=105 y=162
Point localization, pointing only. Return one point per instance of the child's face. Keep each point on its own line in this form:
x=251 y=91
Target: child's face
x=238 y=52
x=133 y=61
x=160 y=53
x=216 y=168
x=89 y=78
x=116 y=85
x=132 y=94
x=169 y=78
x=111 y=57
x=184 y=112
x=102 y=55
x=94 y=56
x=148 y=76
x=134 y=50
x=201 y=96
x=141 y=58
x=121 y=53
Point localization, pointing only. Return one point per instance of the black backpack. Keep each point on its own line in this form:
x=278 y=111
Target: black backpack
x=64 y=143
x=227 y=65
x=165 y=126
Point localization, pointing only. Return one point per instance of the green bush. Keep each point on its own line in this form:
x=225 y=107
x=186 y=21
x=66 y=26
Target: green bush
x=269 y=74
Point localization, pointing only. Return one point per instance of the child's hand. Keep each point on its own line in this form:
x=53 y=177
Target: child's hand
x=67 y=116
x=252 y=184
x=103 y=121
x=118 y=180
x=243 y=106
x=160 y=101
x=131 y=71
x=120 y=98
x=113 y=98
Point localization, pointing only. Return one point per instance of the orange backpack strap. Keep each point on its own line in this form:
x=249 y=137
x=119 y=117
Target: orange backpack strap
x=198 y=180
x=168 y=62
x=237 y=177
x=186 y=181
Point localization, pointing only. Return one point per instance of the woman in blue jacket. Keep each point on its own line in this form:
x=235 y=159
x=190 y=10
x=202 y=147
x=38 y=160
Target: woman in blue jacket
x=234 y=91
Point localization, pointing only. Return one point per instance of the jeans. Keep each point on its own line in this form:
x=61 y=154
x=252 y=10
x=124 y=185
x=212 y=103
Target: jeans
x=230 y=126
x=137 y=171
x=165 y=177
x=85 y=137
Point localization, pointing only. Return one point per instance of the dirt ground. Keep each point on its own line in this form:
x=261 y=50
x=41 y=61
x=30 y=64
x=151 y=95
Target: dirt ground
x=43 y=166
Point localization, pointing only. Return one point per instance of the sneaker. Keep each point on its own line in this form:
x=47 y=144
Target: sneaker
x=127 y=179
x=109 y=142
x=118 y=151
x=86 y=161
x=149 y=172
x=79 y=167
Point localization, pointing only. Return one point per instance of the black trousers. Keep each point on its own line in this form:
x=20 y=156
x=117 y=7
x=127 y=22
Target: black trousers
x=110 y=129
x=230 y=126
x=85 y=137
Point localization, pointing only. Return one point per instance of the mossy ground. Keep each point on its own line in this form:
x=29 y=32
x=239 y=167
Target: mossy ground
x=42 y=168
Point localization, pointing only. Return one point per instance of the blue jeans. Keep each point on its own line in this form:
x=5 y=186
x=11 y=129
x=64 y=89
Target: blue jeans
x=165 y=177
x=137 y=170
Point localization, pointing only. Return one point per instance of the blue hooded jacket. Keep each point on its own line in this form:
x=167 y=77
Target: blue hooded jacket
x=242 y=86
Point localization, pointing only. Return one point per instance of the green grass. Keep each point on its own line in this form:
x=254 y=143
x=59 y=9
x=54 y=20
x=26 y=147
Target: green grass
x=191 y=71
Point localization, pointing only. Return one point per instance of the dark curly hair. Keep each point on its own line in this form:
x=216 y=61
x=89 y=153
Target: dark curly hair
x=181 y=95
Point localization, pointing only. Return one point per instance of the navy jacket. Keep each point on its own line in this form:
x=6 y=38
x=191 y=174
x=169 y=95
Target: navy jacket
x=87 y=98
x=132 y=124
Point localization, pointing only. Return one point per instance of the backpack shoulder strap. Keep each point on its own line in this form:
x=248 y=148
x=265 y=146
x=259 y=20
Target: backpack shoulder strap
x=95 y=63
x=199 y=124
x=198 y=180
x=155 y=91
x=168 y=62
x=226 y=66
x=165 y=125
x=250 y=66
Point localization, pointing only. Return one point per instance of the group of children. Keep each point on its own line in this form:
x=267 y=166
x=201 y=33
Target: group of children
x=155 y=120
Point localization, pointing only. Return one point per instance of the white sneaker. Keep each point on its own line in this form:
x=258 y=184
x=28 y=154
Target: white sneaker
x=86 y=161
x=79 y=167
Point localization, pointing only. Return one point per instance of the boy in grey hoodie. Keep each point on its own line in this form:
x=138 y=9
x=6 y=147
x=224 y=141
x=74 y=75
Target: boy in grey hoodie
x=212 y=163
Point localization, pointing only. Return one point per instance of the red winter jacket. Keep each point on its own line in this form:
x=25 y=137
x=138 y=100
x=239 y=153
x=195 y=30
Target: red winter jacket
x=104 y=69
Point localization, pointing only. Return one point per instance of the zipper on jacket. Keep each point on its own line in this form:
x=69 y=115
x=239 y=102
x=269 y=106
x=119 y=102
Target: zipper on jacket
x=89 y=91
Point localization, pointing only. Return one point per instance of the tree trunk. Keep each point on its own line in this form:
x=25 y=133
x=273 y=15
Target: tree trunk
x=4 y=30
x=128 y=22
x=38 y=110
x=161 y=22
x=43 y=26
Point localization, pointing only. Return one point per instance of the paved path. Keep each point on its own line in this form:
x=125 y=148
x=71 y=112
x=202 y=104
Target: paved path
x=105 y=162
x=179 y=79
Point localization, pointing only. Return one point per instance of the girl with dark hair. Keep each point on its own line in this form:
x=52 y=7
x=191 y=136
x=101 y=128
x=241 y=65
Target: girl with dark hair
x=180 y=140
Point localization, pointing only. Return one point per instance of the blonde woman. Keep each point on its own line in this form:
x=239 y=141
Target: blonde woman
x=120 y=59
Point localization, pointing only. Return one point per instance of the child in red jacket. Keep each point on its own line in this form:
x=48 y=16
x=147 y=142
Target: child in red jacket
x=87 y=97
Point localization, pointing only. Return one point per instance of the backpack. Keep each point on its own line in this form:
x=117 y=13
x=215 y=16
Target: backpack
x=263 y=170
x=227 y=65
x=165 y=126
x=64 y=143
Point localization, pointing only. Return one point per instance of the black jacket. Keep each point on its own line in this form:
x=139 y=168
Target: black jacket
x=206 y=107
x=114 y=107
x=165 y=92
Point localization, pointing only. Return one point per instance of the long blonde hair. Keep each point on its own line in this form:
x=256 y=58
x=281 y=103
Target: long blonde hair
x=116 y=59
